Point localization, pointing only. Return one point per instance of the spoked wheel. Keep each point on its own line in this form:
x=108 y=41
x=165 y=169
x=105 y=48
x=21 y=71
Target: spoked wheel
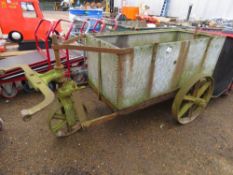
x=60 y=125
x=192 y=98
x=9 y=90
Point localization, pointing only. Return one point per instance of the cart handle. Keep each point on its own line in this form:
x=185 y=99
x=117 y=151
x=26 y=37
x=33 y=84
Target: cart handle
x=38 y=84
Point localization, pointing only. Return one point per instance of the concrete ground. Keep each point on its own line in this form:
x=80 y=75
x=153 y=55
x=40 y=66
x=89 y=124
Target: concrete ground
x=147 y=142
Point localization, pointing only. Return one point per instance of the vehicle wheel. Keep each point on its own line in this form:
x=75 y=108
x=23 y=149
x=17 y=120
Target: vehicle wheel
x=15 y=36
x=9 y=90
x=59 y=125
x=1 y=124
x=192 y=98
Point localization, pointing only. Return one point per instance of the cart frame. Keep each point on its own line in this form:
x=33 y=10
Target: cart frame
x=197 y=92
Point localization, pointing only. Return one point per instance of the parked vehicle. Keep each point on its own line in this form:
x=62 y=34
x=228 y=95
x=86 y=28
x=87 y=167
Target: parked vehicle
x=19 y=19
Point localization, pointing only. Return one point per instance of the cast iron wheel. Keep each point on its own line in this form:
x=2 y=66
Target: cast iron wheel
x=59 y=125
x=192 y=98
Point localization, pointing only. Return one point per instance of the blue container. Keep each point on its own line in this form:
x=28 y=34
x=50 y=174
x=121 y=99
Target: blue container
x=85 y=14
x=92 y=12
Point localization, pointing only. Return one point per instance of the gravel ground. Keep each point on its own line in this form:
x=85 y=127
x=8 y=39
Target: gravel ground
x=147 y=142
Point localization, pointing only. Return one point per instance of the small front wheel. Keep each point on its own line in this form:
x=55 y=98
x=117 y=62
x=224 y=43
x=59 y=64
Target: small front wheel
x=59 y=123
x=192 y=98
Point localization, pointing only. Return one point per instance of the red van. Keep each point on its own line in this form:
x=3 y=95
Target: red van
x=19 y=19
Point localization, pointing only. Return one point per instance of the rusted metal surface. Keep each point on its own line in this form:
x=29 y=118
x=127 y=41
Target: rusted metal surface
x=58 y=64
x=73 y=39
x=143 y=105
x=93 y=49
x=152 y=69
x=185 y=45
x=119 y=78
x=99 y=73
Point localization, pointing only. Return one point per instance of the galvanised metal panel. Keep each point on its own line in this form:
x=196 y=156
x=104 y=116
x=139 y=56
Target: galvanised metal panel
x=160 y=62
x=213 y=55
x=194 y=58
x=165 y=67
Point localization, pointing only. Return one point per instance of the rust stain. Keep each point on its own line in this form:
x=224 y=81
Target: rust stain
x=152 y=69
x=120 y=79
x=129 y=110
x=205 y=54
x=99 y=73
x=131 y=61
x=185 y=45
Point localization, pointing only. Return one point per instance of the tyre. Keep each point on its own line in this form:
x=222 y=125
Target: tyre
x=15 y=36
x=9 y=90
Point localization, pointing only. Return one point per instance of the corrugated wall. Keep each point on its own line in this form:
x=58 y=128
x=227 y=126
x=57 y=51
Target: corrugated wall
x=202 y=9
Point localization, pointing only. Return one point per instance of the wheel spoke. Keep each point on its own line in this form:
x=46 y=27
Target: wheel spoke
x=196 y=100
x=184 y=109
x=203 y=89
x=58 y=126
x=59 y=114
x=189 y=98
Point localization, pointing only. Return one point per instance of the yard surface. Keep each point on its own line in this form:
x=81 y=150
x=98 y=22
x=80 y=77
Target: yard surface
x=147 y=142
